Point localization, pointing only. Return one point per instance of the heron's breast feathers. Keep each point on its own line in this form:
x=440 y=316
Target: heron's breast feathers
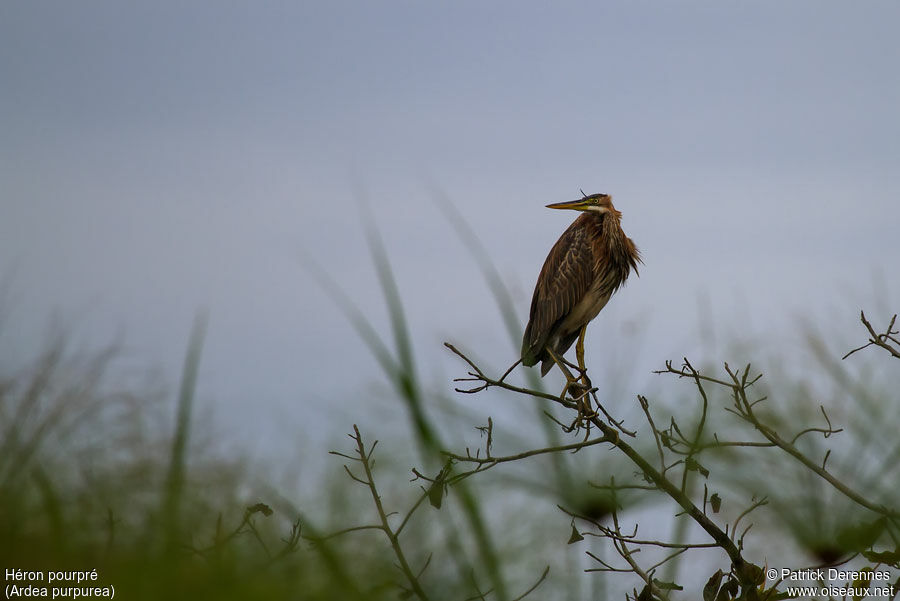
x=588 y=263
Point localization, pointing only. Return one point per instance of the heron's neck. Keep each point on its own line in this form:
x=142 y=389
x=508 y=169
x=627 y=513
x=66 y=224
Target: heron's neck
x=612 y=228
x=617 y=242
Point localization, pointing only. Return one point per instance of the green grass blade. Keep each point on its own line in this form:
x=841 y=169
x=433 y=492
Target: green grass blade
x=178 y=457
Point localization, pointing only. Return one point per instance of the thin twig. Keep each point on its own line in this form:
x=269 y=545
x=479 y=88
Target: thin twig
x=771 y=435
x=386 y=528
x=879 y=339
x=558 y=449
x=478 y=375
x=760 y=503
x=534 y=586
x=645 y=406
x=626 y=554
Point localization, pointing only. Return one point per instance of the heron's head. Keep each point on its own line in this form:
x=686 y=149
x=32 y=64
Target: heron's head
x=597 y=203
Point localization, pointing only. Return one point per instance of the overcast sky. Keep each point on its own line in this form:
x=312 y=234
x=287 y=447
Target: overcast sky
x=161 y=157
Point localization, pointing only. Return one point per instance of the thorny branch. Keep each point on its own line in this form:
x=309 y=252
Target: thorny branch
x=746 y=580
x=748 y=574
x=744 y=408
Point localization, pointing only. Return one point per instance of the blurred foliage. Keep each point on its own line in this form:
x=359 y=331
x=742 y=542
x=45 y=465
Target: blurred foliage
x=93 y=478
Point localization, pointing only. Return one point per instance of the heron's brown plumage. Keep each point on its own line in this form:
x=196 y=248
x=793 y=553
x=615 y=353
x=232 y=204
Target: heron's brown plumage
x=589 y=262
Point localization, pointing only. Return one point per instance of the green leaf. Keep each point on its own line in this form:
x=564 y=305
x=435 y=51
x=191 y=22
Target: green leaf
x=436 y=494
x=667 y=586
x=576 y=536
x=712 y=586
x=859 y=537
x=729 y=591
x=664 y=439
x=694 y=466
x=646 y=594
x=436 y=490
x=886 y=557
x=862 y=583
x=260 y=508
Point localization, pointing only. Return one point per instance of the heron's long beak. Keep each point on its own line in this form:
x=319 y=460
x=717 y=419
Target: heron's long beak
x=577 y=205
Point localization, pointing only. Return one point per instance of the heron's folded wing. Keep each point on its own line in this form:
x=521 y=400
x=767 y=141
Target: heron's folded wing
x=564 y=280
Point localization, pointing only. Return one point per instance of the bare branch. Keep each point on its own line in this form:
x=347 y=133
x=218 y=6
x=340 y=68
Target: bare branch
x=746 y=572
x=365 y=458
x=880 y=340
x=319 y=539
x=491 y=461
x=534 y=586
x=760 y=503
x=479 y=376
x=770 y=434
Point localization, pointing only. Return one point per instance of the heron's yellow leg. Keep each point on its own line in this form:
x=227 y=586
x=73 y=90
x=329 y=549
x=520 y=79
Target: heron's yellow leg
x=579 y=348
x=570 y=379
x=581 y=384
x=585 y=382
x=579 y=353
x=572 y=383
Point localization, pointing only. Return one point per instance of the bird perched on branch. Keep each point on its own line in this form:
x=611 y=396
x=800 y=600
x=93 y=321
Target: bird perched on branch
x=585 y=267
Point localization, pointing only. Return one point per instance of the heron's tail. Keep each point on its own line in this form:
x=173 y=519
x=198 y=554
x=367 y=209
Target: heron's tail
x=547 y=365
x=529 y=357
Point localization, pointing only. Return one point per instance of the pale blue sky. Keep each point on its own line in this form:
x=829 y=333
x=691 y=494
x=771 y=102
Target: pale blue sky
x=157 y=157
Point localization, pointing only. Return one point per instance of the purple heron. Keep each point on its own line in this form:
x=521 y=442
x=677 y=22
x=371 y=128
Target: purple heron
x=588 y=263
